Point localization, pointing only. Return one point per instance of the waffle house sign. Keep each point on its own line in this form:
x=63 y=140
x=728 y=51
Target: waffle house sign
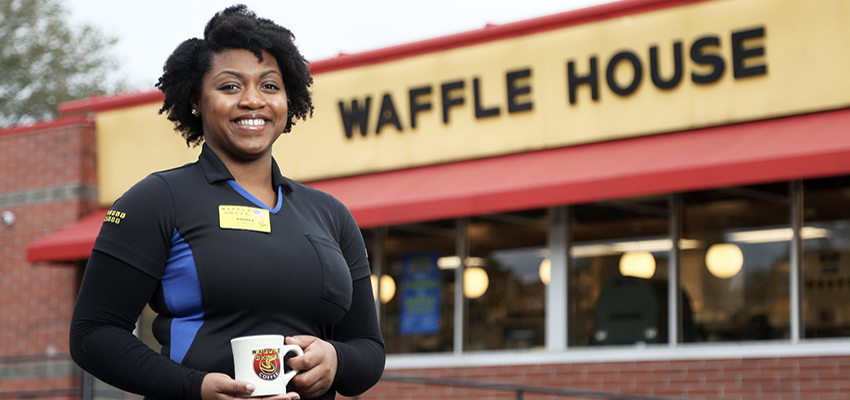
x=620 y=75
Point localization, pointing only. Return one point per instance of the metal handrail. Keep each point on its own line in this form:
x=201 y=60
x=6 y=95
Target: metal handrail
x=520 y=389
x=27 y=358
x=70 y=391
x=33 y=394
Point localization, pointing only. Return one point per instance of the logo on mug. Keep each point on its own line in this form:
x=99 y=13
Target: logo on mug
x=267 y=363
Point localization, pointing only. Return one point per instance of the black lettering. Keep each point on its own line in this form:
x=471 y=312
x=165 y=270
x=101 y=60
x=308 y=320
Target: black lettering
x=591 y=79
x=481 y=112
x=514 y=91
x=714 y=60
x=740 y=54
x=612 y=66
x=654 y=70
x=416 y=107
x=388 y=114
x=356 y=115
x=448 y=101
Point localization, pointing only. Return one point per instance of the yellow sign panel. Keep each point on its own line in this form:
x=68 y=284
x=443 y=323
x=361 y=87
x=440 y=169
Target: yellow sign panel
x=789 y=56
x=703 y=64
x=133 y=142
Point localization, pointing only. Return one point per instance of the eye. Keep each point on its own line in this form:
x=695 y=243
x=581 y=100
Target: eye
x=228 y=86
x=271 y=86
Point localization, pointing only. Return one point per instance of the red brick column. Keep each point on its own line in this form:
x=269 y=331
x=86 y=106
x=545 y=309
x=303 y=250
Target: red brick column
x=48 y=180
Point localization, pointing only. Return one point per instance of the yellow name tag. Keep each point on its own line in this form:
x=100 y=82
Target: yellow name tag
x=244 y=218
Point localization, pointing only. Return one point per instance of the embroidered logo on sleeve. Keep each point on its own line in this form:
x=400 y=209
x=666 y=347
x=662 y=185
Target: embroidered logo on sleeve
x=244 y=218
x=114 y=216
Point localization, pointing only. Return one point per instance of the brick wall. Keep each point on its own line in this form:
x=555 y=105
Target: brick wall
x=806 y=378
x=48 y=180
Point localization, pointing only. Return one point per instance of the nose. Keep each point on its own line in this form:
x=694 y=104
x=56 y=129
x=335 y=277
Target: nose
x=252 y=98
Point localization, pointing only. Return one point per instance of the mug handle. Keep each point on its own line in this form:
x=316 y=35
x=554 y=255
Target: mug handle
x=284 y=351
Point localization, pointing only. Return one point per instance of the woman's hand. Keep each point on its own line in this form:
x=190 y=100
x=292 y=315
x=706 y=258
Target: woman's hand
x=317 y=366
x=217 y=386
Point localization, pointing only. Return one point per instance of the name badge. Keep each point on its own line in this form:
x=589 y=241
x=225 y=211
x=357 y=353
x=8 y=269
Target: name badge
x=244 y=218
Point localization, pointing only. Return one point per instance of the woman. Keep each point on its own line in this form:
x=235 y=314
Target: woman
x=228 y=247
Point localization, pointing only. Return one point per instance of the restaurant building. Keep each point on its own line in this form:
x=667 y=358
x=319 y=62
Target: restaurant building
x=645 y=197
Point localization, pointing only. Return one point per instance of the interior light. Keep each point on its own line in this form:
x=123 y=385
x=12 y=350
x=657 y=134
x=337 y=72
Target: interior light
x=761 y=236
x=450 y=262
x=643 y=245
x=810 y=232
x=659 y=245
x=591 y=250
x=689 y=244
x=724 y=260
x=776 y=235
x=613 y=248
x=387 y=288
x=545 y=271
x=476 y=261
x=639 y=264
x=475 y=282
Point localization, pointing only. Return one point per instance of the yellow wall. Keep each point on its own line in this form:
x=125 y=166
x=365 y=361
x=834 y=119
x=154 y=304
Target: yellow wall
x=133 y=142
x=807 y=54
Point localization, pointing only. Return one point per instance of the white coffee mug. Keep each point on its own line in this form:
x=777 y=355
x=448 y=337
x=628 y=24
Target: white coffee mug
x=259 y=360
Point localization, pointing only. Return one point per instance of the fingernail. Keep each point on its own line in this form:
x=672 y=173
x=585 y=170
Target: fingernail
x=249 y=387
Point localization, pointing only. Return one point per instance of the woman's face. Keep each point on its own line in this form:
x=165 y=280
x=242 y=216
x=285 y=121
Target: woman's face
x=242 y=104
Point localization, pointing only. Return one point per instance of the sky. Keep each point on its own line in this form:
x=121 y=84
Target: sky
x=148 y=31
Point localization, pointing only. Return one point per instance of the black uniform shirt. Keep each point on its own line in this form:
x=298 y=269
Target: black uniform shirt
x=221 y=275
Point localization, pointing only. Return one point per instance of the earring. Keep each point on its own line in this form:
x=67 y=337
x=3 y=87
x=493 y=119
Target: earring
x=194 y=112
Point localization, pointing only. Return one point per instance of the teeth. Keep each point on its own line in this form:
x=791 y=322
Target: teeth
x=253 y=122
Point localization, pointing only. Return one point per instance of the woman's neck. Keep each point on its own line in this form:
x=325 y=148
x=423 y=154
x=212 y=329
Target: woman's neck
x=255 y=176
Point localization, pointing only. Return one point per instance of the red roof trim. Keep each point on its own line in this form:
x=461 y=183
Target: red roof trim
x=44 y=125
x=496 y=32
x=106 y=103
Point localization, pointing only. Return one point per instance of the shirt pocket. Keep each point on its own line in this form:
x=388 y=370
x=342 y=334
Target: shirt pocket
x=336 y=277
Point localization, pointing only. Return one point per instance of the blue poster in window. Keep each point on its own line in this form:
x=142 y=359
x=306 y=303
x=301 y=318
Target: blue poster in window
x=420 y=294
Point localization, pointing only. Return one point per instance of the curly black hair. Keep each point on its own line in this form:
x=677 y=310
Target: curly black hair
x=236 y=27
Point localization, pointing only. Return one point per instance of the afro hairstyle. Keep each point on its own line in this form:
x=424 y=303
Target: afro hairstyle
x=236 y=27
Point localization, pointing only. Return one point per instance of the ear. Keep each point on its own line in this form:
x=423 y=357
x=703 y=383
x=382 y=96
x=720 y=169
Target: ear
x=194 y=101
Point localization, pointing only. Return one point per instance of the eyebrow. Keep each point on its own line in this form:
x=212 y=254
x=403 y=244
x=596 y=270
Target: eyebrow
x=240 y=76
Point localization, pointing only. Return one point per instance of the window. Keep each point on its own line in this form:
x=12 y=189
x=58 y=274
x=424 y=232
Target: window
x=826 y=257
x=502 y=281
x=735 y=250
x=417 y=316
x=618 y=278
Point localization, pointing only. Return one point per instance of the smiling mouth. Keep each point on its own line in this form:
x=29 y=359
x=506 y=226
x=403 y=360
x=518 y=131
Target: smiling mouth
x=251 y=122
